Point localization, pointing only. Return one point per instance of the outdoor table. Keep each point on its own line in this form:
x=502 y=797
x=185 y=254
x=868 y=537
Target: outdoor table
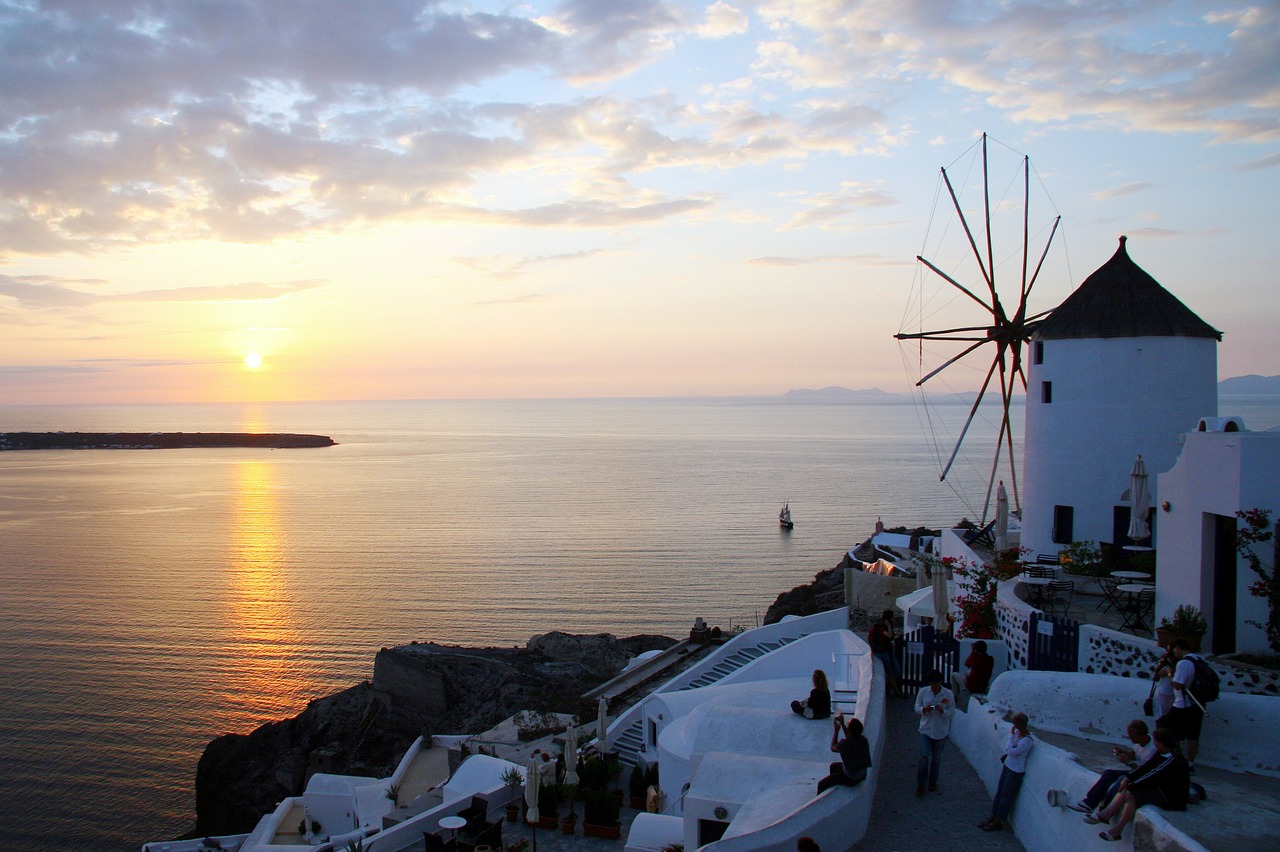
x=1130 y=575
x=1037 y=584
x=453 y=823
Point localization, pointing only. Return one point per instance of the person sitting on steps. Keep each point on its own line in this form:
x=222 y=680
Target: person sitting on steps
x=854 y=751
x=818 y=704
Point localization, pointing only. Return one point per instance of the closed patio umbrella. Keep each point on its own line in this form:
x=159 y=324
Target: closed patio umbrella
x=571 y=755
x=1002 y=517
x=941 y=603
x=532 y=780
x=1140 y=500
x=602 y=725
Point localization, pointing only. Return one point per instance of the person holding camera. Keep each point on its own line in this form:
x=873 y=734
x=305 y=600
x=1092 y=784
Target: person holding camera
x=854 y=750
x=935 y=705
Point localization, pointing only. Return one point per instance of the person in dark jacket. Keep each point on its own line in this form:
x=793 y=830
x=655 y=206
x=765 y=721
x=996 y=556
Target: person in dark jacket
x=818 y=704
x=1164 y=781
x=880 y=638
x=854 y=751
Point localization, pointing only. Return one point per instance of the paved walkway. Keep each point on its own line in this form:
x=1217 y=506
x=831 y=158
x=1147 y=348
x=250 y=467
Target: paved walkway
x=946 y=819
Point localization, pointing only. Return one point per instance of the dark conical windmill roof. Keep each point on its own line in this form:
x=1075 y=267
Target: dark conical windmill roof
x=1121 y=300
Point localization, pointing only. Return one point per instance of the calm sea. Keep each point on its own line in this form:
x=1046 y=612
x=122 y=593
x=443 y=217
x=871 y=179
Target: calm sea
x=154 y=600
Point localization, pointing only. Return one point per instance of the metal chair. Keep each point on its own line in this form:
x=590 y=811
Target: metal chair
x=1034 y=570
x=1060 y=592
x=1136 y=609
x=1110 y=597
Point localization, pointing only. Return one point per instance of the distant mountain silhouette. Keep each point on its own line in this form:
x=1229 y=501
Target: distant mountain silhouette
x=839 y=394
x=1251 y=384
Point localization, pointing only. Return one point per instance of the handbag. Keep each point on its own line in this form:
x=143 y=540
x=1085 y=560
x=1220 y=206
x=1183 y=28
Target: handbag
x=1149 y=706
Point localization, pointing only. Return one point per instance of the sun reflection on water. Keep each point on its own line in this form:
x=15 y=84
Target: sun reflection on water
x=267 y=676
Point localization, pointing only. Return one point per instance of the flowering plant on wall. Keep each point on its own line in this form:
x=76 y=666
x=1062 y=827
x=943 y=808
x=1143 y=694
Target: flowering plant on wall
x=1255 y=529
x=978 y=603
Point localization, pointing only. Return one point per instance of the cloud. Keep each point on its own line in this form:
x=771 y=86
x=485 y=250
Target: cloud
x=1270 y=161
x=43 y=292
x=723 y=21
x=154 y=120
x=824 y=259
x=499 y=266
x=1120 y=191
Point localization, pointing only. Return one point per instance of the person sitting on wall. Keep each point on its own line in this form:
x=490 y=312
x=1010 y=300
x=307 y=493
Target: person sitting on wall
x=1144 y=748
x=818 y=704
x=1164 y=781
x=980 y=665
x=854 y=751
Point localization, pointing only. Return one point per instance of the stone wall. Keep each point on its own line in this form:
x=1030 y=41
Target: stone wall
x=1013 y=623
x=1104 y=651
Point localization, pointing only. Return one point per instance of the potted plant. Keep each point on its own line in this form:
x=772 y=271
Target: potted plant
x=1187 y=623
x=513 y=779
x=637 y=786
x=548 y=806
x=570 y=823
x=1083 y=559
x=600 y=815
x=393 y=793
x=594 y=775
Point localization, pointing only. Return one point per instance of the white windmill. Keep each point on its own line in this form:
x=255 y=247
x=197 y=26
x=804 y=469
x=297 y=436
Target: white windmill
x=980 y=275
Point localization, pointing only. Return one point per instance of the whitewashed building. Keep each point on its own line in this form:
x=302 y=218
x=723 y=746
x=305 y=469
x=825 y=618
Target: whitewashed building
x=1119 y=369
x=1223 y=469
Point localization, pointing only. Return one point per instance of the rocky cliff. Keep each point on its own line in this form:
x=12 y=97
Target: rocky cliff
x=417 y=689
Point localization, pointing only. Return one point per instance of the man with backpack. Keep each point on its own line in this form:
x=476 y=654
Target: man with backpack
x=1194 y=684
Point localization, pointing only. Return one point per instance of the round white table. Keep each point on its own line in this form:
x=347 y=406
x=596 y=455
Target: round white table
x=1037 y=585
x=1130 y=575
x=453 y=823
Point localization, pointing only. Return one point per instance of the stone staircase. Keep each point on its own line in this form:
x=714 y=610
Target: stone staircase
x=630 y=742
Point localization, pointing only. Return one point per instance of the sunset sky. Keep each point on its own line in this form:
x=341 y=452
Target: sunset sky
x=395 y=200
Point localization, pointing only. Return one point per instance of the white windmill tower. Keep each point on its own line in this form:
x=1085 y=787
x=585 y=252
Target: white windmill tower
x=1119 y=369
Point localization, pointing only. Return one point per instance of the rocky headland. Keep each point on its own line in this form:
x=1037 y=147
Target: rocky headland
x=422 y=689
x=417 y=690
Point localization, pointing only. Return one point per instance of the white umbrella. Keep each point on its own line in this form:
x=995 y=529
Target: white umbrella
x=532 y=778
x=1140 y=500
x=1002 y=517
x=941 y=603
x=571 y=755
x=602 y=724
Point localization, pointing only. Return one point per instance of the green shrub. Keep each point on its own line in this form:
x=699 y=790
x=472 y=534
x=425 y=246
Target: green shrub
x=600 y=807
x=637 y=785
x=594 y=775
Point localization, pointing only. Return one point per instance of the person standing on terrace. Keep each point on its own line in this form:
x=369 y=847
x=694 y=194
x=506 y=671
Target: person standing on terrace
x=935 y=705
x=1011 y=773
x=881 y=641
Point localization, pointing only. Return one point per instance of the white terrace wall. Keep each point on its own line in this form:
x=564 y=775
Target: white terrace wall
x=1102 y=651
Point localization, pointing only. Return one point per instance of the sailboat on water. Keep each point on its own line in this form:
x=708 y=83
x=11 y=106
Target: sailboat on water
x=784 y=517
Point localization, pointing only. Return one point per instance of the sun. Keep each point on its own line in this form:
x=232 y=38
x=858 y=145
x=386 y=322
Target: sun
x=253 y=360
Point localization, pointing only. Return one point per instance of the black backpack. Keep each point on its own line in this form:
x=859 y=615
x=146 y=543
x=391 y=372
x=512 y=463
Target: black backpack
x=1205 y=684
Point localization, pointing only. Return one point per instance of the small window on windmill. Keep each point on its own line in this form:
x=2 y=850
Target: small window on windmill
x=1037 y=351
x=1064 y=519
x=1046 y=392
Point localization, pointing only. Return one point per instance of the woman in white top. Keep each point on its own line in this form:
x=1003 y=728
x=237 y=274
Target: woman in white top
x=1163 y=694
x=1015 y=767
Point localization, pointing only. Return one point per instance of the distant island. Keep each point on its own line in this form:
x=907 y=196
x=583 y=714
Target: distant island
x=1250 y=385
x=157 y=440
